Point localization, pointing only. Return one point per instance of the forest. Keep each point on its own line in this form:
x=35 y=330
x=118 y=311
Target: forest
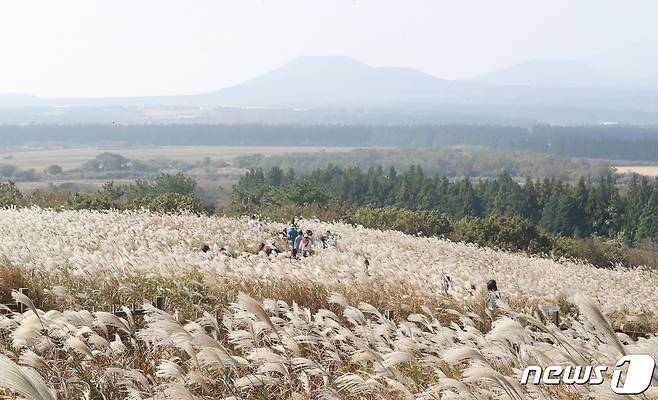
x=452 y=162
x=600 y=221
x=615 y=142
x=577 y=210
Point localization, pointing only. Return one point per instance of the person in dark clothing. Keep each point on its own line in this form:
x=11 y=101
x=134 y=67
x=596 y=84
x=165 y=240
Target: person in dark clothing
x=292 y=235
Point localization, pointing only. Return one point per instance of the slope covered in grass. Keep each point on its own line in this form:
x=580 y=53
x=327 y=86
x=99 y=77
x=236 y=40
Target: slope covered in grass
x=107 y=246
x=238 y=325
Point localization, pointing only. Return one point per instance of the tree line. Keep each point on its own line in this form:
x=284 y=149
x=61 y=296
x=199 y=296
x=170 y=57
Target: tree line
x=448 y=161
x=597 y=208
x=607 y=142
x=593 y=221
x=166 y=193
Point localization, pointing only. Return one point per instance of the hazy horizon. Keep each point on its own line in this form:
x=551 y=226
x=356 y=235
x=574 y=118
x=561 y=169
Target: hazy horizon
x=78 y=48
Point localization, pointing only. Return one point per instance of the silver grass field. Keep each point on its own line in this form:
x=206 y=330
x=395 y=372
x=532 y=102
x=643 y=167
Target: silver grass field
x=239 y=325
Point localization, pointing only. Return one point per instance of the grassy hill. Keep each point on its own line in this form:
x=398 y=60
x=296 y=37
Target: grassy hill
x=236 y=323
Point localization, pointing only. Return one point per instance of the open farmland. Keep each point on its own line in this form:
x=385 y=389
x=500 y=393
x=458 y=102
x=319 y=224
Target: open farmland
x=71 y=158
x=646 y=170
x=321 y=327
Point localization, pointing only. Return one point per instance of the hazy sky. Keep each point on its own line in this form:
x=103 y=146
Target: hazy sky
x=155 y=47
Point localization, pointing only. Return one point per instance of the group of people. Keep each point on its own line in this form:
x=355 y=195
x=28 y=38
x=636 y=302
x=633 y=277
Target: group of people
x=303 y=244
x=257 y=223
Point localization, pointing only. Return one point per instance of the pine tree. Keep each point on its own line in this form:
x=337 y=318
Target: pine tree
x=509 y=200
x=404 y=192
x=469 y=202
x=428 y=198
x=275 y=176
x=581 y=226
x=637 y=196
x=532 y=210
x=648 y=227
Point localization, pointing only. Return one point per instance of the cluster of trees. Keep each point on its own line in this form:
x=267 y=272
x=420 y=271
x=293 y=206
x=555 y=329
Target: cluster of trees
x=9 y=171
x=607 y=142
x=166 y=193
x=579 y=210
x=592 y=221
x=450 y=162
x=513 y=233
x=14 y=173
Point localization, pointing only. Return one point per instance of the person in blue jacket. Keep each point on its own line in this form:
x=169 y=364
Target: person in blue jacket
x=292 y=235
x=296 y=245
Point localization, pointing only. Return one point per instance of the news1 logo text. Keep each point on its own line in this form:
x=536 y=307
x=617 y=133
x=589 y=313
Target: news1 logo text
x=636 y=380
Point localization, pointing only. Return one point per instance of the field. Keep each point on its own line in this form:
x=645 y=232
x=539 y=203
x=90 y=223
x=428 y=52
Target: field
x=241 y=325
x=71 y=158
x=646 y=170
x=214 y=181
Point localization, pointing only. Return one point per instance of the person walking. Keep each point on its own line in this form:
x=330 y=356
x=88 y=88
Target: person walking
x=446 y=285
x=292 y=235
x=306 y=245
x=494 y=299
x=296 y=245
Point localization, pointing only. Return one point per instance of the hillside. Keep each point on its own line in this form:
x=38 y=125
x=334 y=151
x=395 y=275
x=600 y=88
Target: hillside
x=321 y=81
x=233 y=324
x=110 y=244
x=341 y=90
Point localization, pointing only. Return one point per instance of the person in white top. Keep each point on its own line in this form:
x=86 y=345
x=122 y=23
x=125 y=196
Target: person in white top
x=494 y=299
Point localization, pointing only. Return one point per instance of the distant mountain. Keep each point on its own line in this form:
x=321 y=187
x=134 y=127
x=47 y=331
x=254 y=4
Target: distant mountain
x=342 y=90
x=335 y=80
x=549 y=73
x=18 y=100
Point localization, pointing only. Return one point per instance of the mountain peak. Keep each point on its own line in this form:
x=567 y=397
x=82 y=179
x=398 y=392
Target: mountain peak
x=338 y=80
x=328 y=59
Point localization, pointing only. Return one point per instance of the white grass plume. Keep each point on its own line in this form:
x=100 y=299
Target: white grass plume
x=169 y=370
x=255 y=308
x=76 y=344
x=29 y=384
x=28 y=332
x=109 y=319
x=460 y=354
x=31 y=359
x=255 y=380
x=600 y=322
x=21 y=298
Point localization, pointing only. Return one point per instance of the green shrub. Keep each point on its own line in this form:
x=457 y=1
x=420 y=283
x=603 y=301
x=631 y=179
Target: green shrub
x=512 y=233
x=168 y=203
x=10 y=195
x=81 y=201
x=427 y=223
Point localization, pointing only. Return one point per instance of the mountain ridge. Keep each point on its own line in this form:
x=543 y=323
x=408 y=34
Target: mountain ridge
x=346 y=86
